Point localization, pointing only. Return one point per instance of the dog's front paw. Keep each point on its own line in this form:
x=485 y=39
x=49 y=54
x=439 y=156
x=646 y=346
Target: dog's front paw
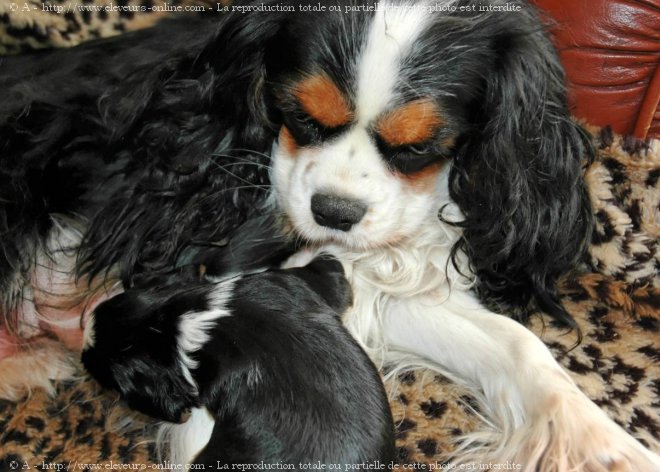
x=566 y=432
x=571 y=434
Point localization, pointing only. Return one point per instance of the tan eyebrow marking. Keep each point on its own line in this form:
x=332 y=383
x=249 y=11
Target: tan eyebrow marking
x=322 y=99
x=414 y=122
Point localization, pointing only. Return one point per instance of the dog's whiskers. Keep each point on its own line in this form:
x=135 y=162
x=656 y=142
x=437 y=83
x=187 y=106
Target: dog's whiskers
x=228 y=172
x=240 y=187
x=226 y=153
x=242 y=159
x=242 y=162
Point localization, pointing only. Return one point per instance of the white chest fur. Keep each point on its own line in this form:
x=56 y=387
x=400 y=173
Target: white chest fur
x=385 y=278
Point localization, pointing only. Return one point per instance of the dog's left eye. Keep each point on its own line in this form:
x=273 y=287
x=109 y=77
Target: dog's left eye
x=420 y=149
x=409 y=162
x=410 y=158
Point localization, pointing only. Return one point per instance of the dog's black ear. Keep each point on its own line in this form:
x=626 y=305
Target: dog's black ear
x=517 y=176
x=238 y=54
x=215 y=97
x=131 y=347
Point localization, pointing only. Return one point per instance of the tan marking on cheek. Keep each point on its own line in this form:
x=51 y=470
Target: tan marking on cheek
x=322 y=99
x=423 y=181
x=412 y=123
x=287 y=142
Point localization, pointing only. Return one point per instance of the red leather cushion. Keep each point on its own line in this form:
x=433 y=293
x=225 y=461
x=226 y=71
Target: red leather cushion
x=611 y=52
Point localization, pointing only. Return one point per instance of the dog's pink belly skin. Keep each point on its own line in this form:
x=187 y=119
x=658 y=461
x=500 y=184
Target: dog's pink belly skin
x=73 y=320
x=71 y=334
x=61 y=316
x=8 y=344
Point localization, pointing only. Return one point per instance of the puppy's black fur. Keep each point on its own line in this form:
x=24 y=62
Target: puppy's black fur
x=282 y=377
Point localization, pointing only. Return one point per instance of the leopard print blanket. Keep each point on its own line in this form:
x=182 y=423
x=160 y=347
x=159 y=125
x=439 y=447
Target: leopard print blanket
x=35 y=24
x=614 y=296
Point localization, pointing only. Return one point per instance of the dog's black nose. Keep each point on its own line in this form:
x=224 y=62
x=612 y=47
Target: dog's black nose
x=336 y=212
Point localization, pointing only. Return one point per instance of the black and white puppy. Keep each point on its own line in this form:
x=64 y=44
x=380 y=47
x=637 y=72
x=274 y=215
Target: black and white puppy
x=426 y=144
x=258 y=368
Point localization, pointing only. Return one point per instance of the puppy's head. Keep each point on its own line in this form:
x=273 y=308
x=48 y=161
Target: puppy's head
x=130 y=347
x=387 y=115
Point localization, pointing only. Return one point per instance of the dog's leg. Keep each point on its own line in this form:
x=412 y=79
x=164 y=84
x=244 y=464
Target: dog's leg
x=540 y=418
x=36 y=365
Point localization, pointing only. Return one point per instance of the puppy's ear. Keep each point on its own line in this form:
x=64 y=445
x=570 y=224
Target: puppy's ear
x=160 y=391
x=146 y=386
x=517 y=176
x=131 y=348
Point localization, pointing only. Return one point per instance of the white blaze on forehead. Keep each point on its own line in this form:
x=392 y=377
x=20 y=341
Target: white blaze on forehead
x=393 y=30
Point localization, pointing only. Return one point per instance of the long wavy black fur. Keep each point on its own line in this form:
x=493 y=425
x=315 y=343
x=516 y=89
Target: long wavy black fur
x=146 y=137
x=517 y=175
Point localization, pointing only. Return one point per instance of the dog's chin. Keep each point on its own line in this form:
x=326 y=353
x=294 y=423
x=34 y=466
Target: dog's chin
x=356 y=239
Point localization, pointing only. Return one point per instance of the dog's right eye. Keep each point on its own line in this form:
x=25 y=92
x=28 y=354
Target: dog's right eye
x=304 y=129
x=307 y=131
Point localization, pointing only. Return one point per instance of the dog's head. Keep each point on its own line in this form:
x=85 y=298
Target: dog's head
x=386 y=111
x=369 y=115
